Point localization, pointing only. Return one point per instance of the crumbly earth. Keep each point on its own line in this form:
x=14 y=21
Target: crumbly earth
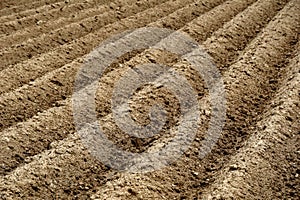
x=255 y=46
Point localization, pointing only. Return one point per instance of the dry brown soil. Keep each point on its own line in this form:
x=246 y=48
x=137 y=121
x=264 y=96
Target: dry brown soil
x=254 y=44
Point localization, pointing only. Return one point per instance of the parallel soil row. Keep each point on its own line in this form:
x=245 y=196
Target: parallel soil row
x=258 y=167
x=70 y=32
x=18 y=6
x=242 y=187
x=43 y=83
x=34 y=12
x=31 y=94
x=31 y=69
x=70 y=14
x=162 y=183
x=255 y=45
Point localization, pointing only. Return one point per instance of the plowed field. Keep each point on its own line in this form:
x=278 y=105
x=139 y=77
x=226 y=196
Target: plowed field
x=255 y=46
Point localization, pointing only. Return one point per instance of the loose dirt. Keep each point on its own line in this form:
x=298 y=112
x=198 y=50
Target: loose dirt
x=255 y=46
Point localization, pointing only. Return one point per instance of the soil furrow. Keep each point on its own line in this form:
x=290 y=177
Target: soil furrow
x=52 y=83
x=70 y=86
x=32 y=69
x=224 y=45
x=35 y=12
x=242 y=109
x=258 y=166
x=251 y=80
x=25 y=6
x=200 y=30
x=110 y=87
x=86 y=10
x=9 y=3
x=106 y=85
x=71 y=179
x=70 y=32
x=268 y=55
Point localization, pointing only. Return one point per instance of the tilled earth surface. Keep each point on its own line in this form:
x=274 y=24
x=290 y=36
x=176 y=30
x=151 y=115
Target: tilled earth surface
x=254 y=44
